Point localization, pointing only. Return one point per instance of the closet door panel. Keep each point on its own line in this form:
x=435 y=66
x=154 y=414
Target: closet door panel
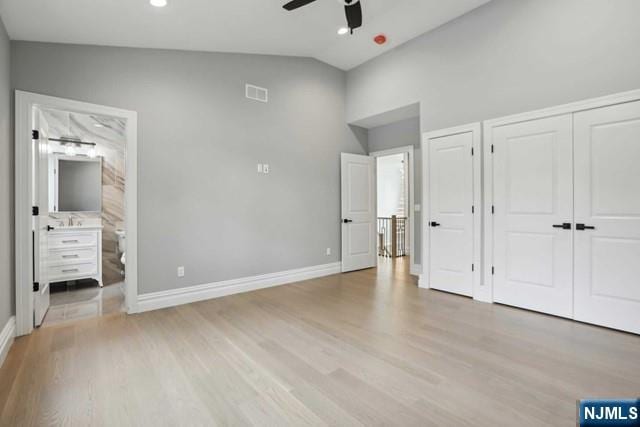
x=607 y=198
x=451 y=198
x=533 y=253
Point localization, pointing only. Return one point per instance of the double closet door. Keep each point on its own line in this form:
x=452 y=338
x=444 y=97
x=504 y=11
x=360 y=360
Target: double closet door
x=567 y=215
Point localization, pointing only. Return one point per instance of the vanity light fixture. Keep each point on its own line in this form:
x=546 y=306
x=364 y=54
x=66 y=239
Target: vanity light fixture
x=158 y=3
x=92 y=152
x=70 y=145
x=342 y=31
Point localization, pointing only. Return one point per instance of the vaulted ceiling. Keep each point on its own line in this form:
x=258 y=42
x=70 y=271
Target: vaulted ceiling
x=247 y=26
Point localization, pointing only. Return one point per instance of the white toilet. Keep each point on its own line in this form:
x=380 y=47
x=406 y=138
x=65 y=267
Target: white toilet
x=122 y=245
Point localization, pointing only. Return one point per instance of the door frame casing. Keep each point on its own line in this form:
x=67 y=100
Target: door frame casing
x=487 y=136
x=25 y=102
x=409 y=150
x=479 y=293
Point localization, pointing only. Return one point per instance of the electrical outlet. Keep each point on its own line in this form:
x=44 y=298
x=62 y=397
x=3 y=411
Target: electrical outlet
x=328 y=251
x=265 y=168
x=181 y=271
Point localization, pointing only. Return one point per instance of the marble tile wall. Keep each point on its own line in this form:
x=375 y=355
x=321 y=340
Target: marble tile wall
x=109 y=135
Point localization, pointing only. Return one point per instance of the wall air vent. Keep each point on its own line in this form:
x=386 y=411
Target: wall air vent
x=256 y=93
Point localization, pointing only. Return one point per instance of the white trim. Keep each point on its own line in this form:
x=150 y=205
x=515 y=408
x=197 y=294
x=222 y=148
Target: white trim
x=173 y=297
x=7 y=335
x=24 y=104
x=573 y=107
x=489 y=125
x=415 y=269
x=480 y=292
x=487 y=210
x=423 y=282
x=409 y=149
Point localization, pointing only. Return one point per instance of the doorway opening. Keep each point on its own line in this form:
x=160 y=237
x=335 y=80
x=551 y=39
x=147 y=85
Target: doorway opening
x=86 y=236
x=392 y=188
x=394 y=195
x=75 y=210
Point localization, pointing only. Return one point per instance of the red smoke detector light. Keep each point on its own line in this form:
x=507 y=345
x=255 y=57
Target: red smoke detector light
x=380 y=39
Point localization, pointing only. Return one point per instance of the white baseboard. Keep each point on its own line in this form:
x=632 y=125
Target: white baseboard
x=173 y=297
x=415 y=269
x=422 y=282
x=7 y=335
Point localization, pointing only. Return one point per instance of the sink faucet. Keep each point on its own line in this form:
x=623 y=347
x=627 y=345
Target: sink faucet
x=70 y=220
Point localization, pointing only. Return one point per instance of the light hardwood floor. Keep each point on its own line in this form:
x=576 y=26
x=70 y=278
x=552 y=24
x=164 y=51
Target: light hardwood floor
x=363 y=348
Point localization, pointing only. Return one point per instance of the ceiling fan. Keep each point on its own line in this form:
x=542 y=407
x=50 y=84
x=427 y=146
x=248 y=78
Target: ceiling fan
x=352 y=10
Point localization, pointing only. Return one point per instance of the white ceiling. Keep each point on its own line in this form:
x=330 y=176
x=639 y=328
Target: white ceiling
x=247 y=26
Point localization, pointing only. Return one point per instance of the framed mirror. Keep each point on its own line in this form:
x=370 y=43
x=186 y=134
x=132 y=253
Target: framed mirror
x=77 y=184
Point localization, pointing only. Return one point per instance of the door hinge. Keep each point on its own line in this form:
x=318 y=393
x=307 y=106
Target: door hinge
x=493 y=209
x=472 y=151
x=492 y=148
x=493 y=270
x=36 y=286
x=35 y=210
x=473 y=209
x=473 y=267
x=35 y=134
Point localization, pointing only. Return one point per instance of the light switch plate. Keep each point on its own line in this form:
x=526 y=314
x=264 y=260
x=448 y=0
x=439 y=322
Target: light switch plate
x=328 y=251
x=259 y=167
x=265 y=168
x=181 y=271
x=417 y=208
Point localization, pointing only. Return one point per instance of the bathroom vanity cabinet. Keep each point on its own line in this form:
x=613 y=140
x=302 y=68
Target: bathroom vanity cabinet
x=75 y=253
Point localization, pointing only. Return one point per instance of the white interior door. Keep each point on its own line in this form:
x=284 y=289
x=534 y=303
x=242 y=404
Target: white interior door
x=532 y=253
x=607 y=203
x=40 y=221
x=451 y=216
x=358 y=212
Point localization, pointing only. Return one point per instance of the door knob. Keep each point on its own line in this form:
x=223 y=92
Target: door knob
x=564 y=226
x=347 y=221
x=49 y=228
x=582 y=227
x=435 y=224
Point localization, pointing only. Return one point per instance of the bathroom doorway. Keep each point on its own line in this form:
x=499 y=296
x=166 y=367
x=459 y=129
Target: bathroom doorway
x=75 y=210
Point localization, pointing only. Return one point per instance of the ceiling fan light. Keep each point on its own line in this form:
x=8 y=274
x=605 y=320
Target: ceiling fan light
x=158 y=3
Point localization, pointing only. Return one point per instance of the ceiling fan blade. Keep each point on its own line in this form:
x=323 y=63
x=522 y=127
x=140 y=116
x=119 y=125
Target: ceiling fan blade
x=354 y=15
x=294 y=4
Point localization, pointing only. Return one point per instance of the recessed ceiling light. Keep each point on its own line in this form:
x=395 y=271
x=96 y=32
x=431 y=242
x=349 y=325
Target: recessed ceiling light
x=342 y=31
x=158 y=3
x=98 y=125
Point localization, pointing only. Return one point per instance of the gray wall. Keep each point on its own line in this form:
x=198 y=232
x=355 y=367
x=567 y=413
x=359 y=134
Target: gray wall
x=201 y=202
x=7 y=299
x=505 y=57
x=402 y=134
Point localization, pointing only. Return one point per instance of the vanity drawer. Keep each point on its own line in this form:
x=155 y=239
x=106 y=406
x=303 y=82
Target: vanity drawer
x=72 y=256
x=69 y=240
x=69 y=271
